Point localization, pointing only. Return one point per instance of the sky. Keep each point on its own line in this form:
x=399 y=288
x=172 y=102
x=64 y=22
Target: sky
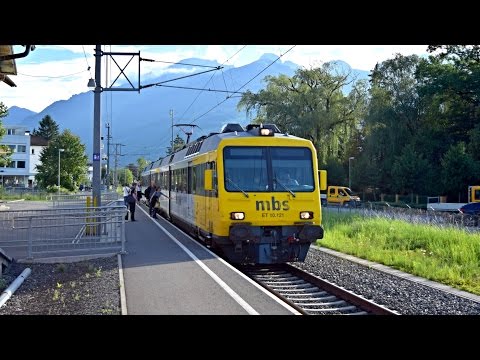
x=56 y=72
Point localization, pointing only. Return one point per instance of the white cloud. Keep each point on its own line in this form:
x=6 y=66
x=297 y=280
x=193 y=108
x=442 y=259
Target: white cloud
x=362 y=57
x=36 y=93
x=45 y=85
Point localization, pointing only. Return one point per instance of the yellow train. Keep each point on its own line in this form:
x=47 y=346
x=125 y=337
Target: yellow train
x=253 y=193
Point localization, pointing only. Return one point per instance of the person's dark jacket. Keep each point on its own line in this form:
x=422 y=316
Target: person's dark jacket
x=154 y=199
x=131 y=202
x=147 y=192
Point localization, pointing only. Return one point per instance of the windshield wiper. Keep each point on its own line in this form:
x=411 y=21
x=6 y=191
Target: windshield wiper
x=237 y=187
x=279 y=183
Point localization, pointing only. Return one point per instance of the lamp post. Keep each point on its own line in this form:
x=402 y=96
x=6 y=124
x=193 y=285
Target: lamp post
x=350 y=172
x=59 y=151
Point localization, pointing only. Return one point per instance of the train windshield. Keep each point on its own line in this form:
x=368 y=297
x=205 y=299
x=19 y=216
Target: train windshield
x=266 y=169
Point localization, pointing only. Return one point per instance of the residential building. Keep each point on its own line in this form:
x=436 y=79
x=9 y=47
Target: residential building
x=26 y=149
x=37 y=144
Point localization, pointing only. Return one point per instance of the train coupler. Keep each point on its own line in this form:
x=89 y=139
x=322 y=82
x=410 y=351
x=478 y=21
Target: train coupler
x=238 y=247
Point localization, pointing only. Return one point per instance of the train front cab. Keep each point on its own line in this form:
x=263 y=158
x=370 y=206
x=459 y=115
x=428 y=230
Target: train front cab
x=273 y=224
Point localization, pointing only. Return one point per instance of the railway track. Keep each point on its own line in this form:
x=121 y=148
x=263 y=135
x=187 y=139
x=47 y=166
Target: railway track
x=309 y=294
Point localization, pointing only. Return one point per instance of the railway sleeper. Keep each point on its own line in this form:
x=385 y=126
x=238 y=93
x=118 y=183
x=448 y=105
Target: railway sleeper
x=332 y=303
x=305 y=285
x=319 y=293
x=342 y=310
x=291 y=282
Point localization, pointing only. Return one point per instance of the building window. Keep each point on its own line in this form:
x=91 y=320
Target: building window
x=12 y=148
x=21 y=148
x=10 y=131
x=11 y=165
x=21 y=164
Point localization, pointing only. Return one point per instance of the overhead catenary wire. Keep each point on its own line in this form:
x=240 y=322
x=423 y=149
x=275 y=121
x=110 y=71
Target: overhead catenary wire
x=241 y=87
x=190 y=88
x=61 y=76
x=88 y=66
x=201 y=90
x=223 y=77
x=52 y=77
x=178 y=78
x=204 y=88
x=211 y=77
x=177 y=63
x=193 y=88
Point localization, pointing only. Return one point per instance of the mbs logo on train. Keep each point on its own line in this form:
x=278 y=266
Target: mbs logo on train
x=273 y=205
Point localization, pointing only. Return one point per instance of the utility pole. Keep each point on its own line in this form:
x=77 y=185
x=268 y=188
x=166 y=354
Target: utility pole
x=171 y=117
x=115 y=184
x=117 y=154
x=107 y=174
x=96 y=179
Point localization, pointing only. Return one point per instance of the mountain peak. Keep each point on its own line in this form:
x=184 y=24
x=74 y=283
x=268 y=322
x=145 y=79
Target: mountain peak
x=197 y=61
x=17 y=114
x=268 y=57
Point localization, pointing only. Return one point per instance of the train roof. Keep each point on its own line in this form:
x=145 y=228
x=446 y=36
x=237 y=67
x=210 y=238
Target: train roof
x=211 y=142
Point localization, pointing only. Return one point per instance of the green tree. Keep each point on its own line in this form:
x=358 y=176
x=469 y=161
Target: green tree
x=125 y=176
x=474 y=142
x=459 y=171
x=134 y=170
x=336 y=174
x=48 y=128
x=393 y=117
x=410 y=172
x=311 y=104
x=141 y=162
x=4 y=150
x=455 y=69
x=178 y=143
x=73 y=162
x=450 y=84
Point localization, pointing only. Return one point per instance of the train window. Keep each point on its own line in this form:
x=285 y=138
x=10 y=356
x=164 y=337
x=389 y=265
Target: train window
x=257 y=168
x=243 y=165
x=297 y=162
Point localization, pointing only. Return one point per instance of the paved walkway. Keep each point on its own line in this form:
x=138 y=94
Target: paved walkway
x=167 y=272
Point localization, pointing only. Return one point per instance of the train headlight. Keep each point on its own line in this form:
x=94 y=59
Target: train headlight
x=237 y=215
x=266 y=132
x=304 y=215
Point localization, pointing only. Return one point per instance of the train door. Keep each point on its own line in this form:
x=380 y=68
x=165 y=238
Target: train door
x=189 y=195
x=210 y=196
x=199 y=194
x=170 y=193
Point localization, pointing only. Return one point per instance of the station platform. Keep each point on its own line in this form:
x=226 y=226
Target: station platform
x=166 y=272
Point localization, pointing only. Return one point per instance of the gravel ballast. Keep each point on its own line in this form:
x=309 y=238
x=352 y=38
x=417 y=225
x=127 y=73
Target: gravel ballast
x=89 y=287
x=92 y=287
x=395 y=293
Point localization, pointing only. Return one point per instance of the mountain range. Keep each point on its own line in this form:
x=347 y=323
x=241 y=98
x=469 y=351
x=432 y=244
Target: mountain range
x=141 y=122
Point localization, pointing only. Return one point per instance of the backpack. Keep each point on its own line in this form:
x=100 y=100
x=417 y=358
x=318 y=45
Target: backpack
x=130 y=199
x=153 y=200
x=147 y=192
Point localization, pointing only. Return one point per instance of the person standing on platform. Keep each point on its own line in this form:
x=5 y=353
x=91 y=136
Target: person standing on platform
x=126 y=191
x=131 y=201
x=139 y=191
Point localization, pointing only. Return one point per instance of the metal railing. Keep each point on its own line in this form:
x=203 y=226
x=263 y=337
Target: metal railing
x=63 y=232
x=414 y=216
x=80 y=199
